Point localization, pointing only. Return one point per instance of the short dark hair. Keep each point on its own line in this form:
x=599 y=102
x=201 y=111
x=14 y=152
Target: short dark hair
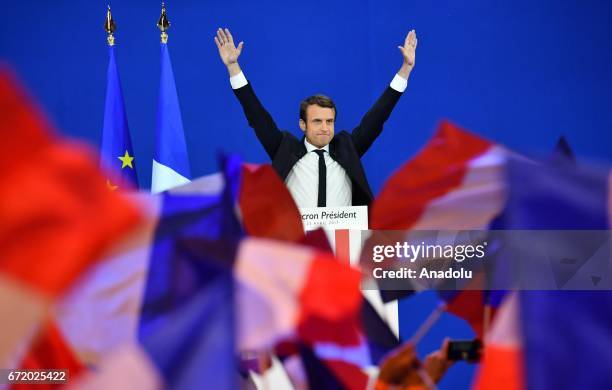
x=319 y=100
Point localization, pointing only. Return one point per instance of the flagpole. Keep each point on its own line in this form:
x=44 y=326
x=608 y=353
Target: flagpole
x=486 y=321
x=426 y=378
x=427 y=324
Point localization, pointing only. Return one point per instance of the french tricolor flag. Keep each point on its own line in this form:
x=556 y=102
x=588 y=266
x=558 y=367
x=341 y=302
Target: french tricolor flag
x=556 y=339
x=455 y=182
x=57 y=216
x=170 y=158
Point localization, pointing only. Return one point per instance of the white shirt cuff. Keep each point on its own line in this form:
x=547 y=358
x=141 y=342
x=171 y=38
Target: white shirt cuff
x=238 y=81
x=398 y=83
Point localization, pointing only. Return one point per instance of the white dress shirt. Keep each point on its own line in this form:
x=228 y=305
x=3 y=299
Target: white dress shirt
x=303 y=179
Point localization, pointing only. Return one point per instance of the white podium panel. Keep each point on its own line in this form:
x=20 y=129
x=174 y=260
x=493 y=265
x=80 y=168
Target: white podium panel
x=347 y=230
x=343 y=227
x=334 y=218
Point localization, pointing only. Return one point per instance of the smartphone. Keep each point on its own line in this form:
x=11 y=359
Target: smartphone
x=466 y=350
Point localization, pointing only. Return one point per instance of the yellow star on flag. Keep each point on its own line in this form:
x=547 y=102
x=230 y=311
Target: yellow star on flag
x=126 y=160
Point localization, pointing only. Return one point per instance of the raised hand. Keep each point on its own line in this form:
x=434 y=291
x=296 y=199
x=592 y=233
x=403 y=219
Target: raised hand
x=228 y=52
x=409 y=49
x=400 y=366
x=436 y=363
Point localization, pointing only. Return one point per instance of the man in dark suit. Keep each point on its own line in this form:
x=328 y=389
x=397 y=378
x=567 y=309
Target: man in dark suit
x=323 y=168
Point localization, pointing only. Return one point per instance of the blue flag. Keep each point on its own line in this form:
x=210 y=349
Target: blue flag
x=556 y=196
x=193 y=345
x=187 y=323
x=567 y=335
x=117 y=155
x=170 y=159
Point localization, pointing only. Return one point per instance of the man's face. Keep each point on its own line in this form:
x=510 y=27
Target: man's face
x=319 y=125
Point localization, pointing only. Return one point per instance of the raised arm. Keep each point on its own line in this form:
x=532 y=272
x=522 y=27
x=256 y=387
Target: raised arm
x=372 y=122
x=258 y=117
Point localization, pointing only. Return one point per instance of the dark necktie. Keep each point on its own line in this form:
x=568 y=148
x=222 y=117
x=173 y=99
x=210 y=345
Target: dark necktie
x=322 y=178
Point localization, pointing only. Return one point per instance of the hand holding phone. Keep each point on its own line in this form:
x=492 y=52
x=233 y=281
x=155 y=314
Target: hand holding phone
x=466 y=350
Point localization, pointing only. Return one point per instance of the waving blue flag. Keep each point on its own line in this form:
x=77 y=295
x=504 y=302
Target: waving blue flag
x=117 y=155
x=566 y=334
x=170 y=160
x=187 y=319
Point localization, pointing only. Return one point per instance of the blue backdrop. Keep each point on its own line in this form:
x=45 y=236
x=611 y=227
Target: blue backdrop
x=519 y=72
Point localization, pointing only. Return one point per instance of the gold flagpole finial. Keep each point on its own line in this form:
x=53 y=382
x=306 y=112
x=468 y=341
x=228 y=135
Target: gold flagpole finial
x=109 y=27
x=163 y=24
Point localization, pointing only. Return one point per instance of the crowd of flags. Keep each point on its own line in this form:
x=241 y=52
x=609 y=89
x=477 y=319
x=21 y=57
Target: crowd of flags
x=211 y=282
x=179 y=289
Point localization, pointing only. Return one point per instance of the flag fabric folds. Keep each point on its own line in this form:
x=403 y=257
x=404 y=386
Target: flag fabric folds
x=152 y=285
x=35 y=162
x=187 y=315
x=174 y=275
x=170 y=158
x=561 y=353
x=558 y=352
x=56 y=218
x=50 y=351
x=116 y=152
x=533 y=345
x=193 y=345
x=312 y=300
x=502 y=366
x=144 y=277
x=455 y=182
x=268 y=216
x=557 y=196
x=560 y=339
x=128 y=367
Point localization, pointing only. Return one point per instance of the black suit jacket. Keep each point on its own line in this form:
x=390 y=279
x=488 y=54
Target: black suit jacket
x=345 y=148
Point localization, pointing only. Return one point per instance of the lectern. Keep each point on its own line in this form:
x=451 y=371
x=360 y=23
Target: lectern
x=344 y=227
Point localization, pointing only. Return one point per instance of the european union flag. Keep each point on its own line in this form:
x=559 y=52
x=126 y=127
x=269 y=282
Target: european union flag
x=170 y=160
x=117 y=155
